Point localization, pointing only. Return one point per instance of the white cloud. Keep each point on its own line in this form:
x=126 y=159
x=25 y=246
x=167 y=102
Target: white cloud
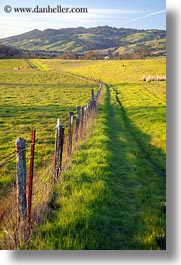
x=142 y=17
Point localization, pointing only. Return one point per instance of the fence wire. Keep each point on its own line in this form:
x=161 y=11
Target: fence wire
x=14 y=231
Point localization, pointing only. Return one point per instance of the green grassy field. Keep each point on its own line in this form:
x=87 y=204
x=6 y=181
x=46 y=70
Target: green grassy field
x=33 y=98
x=145 y=102
x=113 y=194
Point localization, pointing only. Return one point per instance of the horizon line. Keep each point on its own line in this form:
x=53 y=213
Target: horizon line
x=139 y=29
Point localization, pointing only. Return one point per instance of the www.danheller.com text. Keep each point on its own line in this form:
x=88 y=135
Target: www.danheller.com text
x=57 y=9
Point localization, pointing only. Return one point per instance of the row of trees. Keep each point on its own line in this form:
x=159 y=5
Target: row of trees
x=138 y=53
x=9 y=52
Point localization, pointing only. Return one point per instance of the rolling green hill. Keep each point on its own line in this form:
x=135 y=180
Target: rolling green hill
x=104 y=40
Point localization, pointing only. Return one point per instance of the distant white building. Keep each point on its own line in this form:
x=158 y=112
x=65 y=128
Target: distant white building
x=107 y=58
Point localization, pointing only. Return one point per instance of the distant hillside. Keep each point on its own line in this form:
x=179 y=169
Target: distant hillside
x=104 y=40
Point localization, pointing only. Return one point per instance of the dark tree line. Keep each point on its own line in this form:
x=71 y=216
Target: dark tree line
x=140 y=52
x=9 y=52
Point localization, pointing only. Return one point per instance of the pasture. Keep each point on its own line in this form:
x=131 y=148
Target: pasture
x=113 y=195
x=33 y=97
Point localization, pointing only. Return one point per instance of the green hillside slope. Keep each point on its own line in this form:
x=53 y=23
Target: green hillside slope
x=80 y=40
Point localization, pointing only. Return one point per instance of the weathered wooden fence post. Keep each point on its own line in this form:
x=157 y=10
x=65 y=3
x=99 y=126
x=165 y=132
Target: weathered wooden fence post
x=77 y=123
x=82 y=122
x=85 y=117
x=61 y=146
x=92 y=94
x=99 y=91
x=59 y=140
x=21 y=177
x=88 y=108
x=56 y=167
x=30 y=184
x=71 y=119
x=93 y=107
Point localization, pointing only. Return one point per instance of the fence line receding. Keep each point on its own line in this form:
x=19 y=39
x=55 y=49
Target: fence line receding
x=32 y=190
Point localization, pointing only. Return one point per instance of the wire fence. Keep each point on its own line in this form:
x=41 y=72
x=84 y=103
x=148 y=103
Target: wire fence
x=27 y=200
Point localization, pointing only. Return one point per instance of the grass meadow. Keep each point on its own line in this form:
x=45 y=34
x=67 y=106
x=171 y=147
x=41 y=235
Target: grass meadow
x=33 y=97
x=113 y=195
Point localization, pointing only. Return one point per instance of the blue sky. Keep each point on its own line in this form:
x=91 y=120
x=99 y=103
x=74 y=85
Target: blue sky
x=141 y=14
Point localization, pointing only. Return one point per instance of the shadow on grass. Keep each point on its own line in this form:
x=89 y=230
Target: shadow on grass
x=135 y=189
x=141 y=139
x=113 y=196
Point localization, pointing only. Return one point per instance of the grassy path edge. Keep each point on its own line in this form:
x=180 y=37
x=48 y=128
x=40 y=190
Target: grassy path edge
x=103 y=203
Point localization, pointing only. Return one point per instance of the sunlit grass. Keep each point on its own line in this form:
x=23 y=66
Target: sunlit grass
x=113 y=195
x=34 y=99
x=143 y=100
